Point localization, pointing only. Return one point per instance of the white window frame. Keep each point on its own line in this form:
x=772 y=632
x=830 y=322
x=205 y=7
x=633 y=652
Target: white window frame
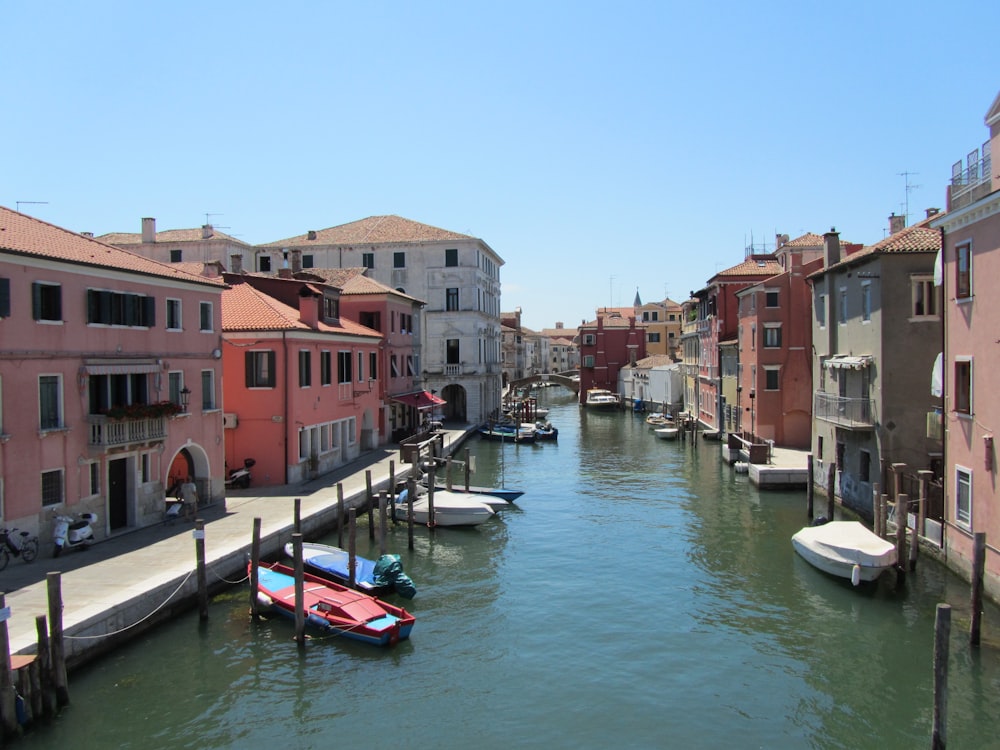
x=842 y=316
x=206 y=317
x=963 y=515
x=866 y=302
x=60 y=402
x=924 y=282
x=174 y=304
x=772 y=368
x=208 y=401
x=768 y=327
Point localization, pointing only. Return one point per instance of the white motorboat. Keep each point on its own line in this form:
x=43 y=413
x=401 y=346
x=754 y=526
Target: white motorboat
x=602 y=399
x=666 y=433
x=846 y=549
x=450 y=509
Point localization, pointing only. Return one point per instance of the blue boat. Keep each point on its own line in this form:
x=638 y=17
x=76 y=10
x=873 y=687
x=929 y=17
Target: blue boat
x=376 y=577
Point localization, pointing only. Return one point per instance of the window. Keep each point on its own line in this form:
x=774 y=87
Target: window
x=753 y=337
x=118 y=309
x=46 y=301
x=843 y=307
x=175 y=384
x=344 y=374
x=373 y=365
x=963 y=386
x=259 y=369
x=451 y=256
x=819 y=447
x=452 y=352
x=307 y=261
x=588 y=360
x=207 y=390
x=394 y=366
x=589 y=339
x=771 y=299
x=52 y=487
x=50 y=402
x=361 y=366
x=963 y=497
x=368 y=260
x=325 y=368
x=409 y=366
x=963 y=271
x=173 y=315
x=92 y=479
x=264 y=263
x=451 y=299
x=772 y=336
x=331 y=307
x=205 y=316
x=371 y=320
x=399 y=260
x=864 y=470
x=924 y=296
x=175 y=256
x=145 y=471
x=305 y=368
x=821 y=310
x=4 y=298
x=653 y=338
x=866 y=301
x=771 y=378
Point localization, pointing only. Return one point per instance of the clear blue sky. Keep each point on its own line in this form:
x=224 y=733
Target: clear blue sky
x=599 y=148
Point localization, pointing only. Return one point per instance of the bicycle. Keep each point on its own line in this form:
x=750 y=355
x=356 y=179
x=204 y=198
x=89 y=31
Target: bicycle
x=15 y=543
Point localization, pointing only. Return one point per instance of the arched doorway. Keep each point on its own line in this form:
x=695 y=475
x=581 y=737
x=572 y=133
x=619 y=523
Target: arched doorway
x=189 y=461
x=455 y=408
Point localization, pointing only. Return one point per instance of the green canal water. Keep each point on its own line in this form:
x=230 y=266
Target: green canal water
x=640 y=595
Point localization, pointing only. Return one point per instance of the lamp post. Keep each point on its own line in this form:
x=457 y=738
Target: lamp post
x=753 y=434
x=185 y=398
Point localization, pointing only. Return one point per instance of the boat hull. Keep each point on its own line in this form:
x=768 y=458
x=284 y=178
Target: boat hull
x=666 y=433
x=448 y=511
x=845 y=549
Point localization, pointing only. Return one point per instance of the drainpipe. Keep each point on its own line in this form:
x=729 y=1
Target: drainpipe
x=287 y=389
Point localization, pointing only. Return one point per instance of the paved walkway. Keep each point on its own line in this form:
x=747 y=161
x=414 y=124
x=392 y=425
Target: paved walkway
x=144 y=575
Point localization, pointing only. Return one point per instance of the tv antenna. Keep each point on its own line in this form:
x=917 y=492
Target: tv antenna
x=909 y=187
x=18 y=204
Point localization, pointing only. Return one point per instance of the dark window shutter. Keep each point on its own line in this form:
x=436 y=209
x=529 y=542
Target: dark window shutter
x=271 y=377
x=36 y=301
x=248 y=369
x=4 y=298
x=150 y=313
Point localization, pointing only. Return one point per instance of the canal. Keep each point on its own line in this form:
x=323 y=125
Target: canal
x=640 y=595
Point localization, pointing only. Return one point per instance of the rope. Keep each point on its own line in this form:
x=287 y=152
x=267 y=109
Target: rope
x=226 y=580
x=137 y=622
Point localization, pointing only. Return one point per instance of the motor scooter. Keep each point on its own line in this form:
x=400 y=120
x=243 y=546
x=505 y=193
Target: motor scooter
x=68 y=533
x=240 y=478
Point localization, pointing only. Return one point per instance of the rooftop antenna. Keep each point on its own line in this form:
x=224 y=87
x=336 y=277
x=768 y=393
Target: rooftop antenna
x=611 y=291
x=909 y=187
x=18 y=204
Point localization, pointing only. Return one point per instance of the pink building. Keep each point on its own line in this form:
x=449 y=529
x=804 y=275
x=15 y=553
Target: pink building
x=774 y=384
x=971 y=358
x=110 y=380
x=607 y=344
x=302 y=385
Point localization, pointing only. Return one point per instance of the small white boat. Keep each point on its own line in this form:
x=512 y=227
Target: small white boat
x=846 y=549
x=602 y=399
x=666 y=433
x=450 y=509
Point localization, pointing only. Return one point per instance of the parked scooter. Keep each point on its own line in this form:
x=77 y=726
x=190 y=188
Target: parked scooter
x=69 y=534
x=240 y=478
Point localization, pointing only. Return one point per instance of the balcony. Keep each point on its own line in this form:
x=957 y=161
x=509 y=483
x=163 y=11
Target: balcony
x=116 y=433
x=852 y=413
x=972 y=181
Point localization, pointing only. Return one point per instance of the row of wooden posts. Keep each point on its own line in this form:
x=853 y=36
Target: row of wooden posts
x=35 y=687
x=906 y=559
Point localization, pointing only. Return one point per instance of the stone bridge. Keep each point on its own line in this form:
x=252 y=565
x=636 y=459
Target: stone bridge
x=567 y=380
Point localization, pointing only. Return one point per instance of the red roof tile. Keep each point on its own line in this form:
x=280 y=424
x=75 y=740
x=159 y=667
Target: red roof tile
x=374 y=230
x=244 y=308
x=168 y=236
x=25 y=235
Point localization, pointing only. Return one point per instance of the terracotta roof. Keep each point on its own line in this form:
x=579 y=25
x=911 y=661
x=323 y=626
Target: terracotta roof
x=365 y=285
x=755 y=265
x=809 y=239
x=919 y=238
x=168 y=236
x=25 y=235
x=374 y=230
x=654 y=360
x=333 y=276
x=247 y=309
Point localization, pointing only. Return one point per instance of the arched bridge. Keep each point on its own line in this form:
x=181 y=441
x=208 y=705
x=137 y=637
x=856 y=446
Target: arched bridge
x=566 y=380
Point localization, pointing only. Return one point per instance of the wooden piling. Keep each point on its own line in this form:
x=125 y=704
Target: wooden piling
x=352 y=547
x=902 y=512
x=341 y=518
x=978 y=567
x=199 y=555
x=942 y=634
x=300 y=591
x=297 y=520
x=8 y=712
x=58 y=647
x=254 y=562
x=382 y=521
x=411 y=490
x=48 y=693
x=430 y=505
x=883 y=512
x=876 y=519
x=810 y=473
x=370 y=502
x=831 y=489
x=447 y=473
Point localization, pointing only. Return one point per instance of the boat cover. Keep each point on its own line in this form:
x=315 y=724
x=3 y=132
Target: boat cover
x=849 y=541
x=388 y=572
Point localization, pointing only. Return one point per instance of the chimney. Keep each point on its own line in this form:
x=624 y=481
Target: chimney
x=559 y=325
x=896 y=223
x=148 y=231
x=206 y=231
x=780 y=240
x=932 y=212
x=296 y=261
x=236 y=263
x=309 y=303
x=284 y=272
x=831 y=247
x=312 y=234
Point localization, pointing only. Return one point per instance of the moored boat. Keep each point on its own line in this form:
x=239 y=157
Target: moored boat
x=450 y=509
x=546 y=431
x=846 y=549
x=601 y=399
x=332 y=608
x=376 y=577
x=666 y=433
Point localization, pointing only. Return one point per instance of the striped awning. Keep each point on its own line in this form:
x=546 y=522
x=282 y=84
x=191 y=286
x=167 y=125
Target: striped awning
x=850 y=363
x=122 y=368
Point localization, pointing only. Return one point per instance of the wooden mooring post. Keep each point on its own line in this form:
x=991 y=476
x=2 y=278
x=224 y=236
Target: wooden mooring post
x=902 y=513
x=199 y=554
x=370 y=502
x=876 y=516
x=297 y=520
x=341 y=518
x=468 y=467
x=978 y=567
x=300 y=591
x=831 y=489
x=47 y=693
x=254 y=562
x=942 y=633
x=8 y=707
x=810 y=494
x=411 y=490
x=57 y=645
x=382 y=521
x=352 y=547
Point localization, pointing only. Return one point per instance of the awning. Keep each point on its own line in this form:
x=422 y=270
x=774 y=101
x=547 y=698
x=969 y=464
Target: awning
x=135 y=368
x=419 y=399
x=850 y=363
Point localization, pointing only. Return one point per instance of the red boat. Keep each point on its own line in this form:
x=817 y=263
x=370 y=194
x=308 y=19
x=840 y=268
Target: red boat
x=333 y=608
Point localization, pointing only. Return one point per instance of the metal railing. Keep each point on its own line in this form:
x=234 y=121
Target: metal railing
x=843 y=411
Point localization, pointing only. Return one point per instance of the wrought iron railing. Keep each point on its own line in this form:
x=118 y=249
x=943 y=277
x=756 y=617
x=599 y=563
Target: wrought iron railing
x=842 y=410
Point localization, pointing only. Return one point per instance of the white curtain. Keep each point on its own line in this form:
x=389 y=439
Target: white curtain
x=937 y=373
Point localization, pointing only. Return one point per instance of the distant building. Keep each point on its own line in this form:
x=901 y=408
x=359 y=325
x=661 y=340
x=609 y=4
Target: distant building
x=607 y=344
